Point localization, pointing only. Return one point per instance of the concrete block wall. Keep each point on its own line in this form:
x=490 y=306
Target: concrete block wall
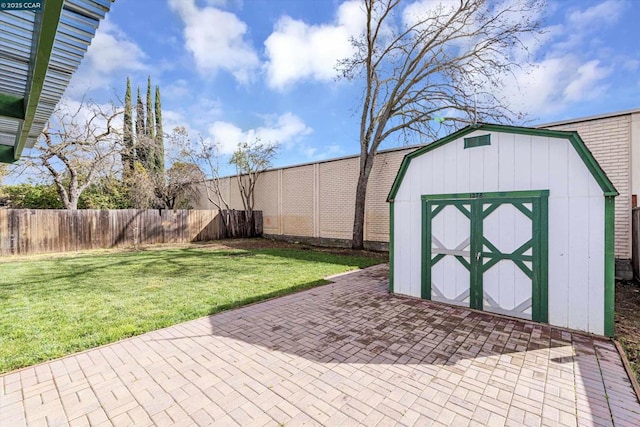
x=267 y=200
x=385 y=169
x=609 y=141
x=297 y=212
x=337 y=194
x=202 y=199
x=317 y=200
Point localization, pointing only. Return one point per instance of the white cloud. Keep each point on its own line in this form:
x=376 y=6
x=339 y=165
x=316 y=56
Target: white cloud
x=538 y=91
x=225 y=3
x=110 y=51
x=554 y=84
x=313 y=154
x=569 y=67
x=77 y=116
x=298 y=51
x=194 y=113
x=605 y=13
x=285 y=130
x=177 y=89
x=586 y=83
x=217 y=40
x=172 y=119
x=420 y=10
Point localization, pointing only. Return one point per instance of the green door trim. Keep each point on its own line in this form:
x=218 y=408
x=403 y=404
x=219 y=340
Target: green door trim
x=472 y=205
x=427 y=216
x=609 y=266
x=391 y=240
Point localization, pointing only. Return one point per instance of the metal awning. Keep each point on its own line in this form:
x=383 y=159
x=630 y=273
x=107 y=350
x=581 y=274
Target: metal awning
x=39 y=52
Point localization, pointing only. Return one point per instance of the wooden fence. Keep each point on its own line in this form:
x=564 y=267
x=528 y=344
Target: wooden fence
x=30 y=231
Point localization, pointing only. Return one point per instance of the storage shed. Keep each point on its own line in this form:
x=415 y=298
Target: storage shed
x=509 y=220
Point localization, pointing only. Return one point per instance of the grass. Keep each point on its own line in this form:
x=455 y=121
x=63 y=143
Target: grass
x=50 y=307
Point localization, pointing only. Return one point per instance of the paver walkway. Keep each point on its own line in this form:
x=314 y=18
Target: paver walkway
x=337 y=355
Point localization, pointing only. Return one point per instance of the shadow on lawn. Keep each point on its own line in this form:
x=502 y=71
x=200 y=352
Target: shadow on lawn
x=88 y=270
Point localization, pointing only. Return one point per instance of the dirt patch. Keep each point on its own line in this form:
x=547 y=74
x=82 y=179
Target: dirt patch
x=279 y=244
x=628 y=321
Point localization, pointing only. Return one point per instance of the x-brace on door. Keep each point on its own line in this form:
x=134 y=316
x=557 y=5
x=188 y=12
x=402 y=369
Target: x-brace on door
x=487 y=251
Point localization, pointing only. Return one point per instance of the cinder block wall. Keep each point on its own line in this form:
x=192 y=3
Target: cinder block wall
x=297 y=214
x=609 y=141
x=267 y=200
x=317 y=200
x=337 y=195
x=385 y=169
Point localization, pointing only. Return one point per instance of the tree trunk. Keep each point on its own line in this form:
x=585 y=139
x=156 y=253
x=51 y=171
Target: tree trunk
x=72 y=203
x=357 y=241
x=249 y=223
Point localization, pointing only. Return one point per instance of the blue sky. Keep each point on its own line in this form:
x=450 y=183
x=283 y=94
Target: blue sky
x=236 y=69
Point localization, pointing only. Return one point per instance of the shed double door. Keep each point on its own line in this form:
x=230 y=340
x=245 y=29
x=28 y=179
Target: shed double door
x=487 y=251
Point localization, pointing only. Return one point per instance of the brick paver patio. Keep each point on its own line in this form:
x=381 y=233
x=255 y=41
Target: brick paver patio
x=337 y=355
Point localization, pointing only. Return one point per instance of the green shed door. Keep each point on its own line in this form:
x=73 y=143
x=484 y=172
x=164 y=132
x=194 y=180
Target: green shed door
x=487 y=251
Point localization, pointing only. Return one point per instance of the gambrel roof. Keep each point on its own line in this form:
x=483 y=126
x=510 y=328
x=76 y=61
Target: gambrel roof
x=578 y=144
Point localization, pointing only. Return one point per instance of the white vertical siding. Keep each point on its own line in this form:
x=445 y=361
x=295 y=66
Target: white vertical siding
x=517 y=163
x=578 y=262
x=540 y=163
x=523 y=170
x=596 y=270
x=506 y=171
x=490 y=170
x=559 y=298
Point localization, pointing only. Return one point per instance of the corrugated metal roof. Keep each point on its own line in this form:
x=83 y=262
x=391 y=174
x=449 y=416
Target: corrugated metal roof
x=20 y=44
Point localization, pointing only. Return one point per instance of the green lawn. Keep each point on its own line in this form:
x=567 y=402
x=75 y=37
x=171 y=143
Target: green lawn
x=57 y=306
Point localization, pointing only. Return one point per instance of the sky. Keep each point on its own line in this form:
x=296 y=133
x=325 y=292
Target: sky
x=235 y=70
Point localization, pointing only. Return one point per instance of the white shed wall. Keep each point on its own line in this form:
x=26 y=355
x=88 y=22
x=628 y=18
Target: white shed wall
x=516 y=163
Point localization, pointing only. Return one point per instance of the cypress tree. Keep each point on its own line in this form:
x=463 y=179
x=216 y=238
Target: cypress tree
x=128 y=155
x=141 y=145
x=159 y=134
x=150 y=125
x=149 y=131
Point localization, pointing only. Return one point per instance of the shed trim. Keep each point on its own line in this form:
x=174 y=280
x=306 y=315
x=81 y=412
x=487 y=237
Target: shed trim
x=543 y=314
x=578 y=144
x=391 y=247
x=609 y=266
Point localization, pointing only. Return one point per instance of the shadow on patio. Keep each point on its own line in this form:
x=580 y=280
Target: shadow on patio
x=355 y=324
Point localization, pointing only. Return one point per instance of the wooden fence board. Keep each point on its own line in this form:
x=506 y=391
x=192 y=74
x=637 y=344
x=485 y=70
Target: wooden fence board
x=30 y=231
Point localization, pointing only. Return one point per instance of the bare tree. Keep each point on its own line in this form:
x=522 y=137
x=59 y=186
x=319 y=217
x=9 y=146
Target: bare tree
x=140 y=187
x=176 y=185
x=207 y=154
x=80 y=143
x=431 y=68
x=250 y=161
